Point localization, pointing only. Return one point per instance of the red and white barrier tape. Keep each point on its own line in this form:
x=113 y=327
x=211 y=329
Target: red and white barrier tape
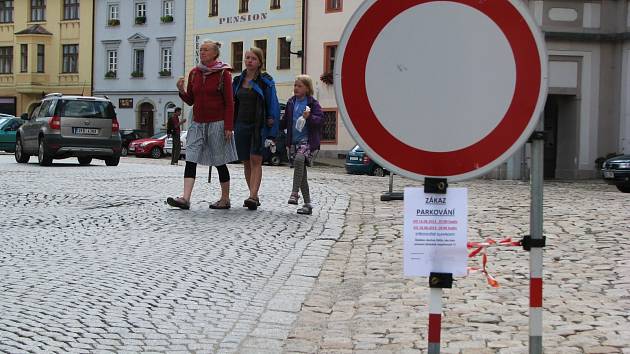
x=481 y=248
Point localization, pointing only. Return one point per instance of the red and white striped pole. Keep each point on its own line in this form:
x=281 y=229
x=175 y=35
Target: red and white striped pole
x=435 y=319
x=535 y=243
x=437 y=282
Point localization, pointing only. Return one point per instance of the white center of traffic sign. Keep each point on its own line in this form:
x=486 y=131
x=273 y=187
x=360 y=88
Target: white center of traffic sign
x=444 y=79
x=441 y=88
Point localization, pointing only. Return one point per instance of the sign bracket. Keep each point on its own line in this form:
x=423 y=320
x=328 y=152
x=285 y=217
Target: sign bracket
x=435 y=185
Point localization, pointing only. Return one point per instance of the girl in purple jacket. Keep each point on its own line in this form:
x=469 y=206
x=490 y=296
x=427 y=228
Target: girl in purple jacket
x=302 y=136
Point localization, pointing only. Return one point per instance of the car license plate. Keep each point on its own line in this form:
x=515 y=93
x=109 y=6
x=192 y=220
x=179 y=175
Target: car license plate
x=85 y=131
x=609 y=174
x=354 y=158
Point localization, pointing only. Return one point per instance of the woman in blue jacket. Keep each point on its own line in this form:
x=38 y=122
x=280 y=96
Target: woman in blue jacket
x=256 y=119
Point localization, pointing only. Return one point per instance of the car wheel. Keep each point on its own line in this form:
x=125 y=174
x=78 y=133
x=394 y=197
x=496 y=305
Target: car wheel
x=20 y=156
x=124 y=151
x=624 y=188
x=112 y=161
x=43 y=157
x=84 y=160
x=275 y=160
x=378 y=171
x=156 y=153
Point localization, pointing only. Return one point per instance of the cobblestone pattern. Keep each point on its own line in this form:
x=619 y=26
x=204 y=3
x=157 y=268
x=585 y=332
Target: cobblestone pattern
x=92 y=260
x=361 y=303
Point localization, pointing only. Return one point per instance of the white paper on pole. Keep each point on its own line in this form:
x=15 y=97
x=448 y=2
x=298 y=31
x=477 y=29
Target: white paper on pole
x=435 y=232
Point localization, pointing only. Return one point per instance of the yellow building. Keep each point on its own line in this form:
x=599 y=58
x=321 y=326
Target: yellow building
x=45 y=46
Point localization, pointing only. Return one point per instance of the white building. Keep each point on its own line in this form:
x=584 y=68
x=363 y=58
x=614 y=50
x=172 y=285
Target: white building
x=587 y=115
x=138 y=57
x=240 y=25
x=325 y=22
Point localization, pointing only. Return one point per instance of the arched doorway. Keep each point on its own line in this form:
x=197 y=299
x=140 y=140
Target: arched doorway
x=146 y=118
x=169 y=108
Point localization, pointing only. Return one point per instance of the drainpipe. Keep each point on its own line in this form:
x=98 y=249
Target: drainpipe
x=304 y=29
x=92 y=71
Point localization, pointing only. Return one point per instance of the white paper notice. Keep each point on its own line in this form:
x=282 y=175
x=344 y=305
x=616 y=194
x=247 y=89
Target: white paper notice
x=435 y=232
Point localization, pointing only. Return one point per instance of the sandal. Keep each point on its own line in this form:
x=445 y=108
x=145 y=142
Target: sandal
x=293 y=199
x=251 y=203
x=306 y=209
x=220 y=205
x=178 y=202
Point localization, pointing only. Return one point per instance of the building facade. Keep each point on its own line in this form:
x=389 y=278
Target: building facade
x=138 y=58
x=587 y=115
x=275 y=26
x=326 y=20
x=45 y=46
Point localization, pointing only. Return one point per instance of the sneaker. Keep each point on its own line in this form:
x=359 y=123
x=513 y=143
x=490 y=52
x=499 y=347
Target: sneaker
x=306 y=209
x=293 y=199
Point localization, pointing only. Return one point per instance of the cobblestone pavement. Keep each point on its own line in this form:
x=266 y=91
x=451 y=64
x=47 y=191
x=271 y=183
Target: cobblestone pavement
x=92 y=260
x=361 y=303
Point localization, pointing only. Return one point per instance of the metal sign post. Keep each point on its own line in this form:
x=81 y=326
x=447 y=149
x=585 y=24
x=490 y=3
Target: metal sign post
x=437 y=281
x=535 y=243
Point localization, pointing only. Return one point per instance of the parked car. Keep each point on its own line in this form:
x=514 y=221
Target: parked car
x=616 y=171
x=358 y=162
x=8 y=128
x=129 y=135
x=153 y=146
x=168 y=145
x=70 y=126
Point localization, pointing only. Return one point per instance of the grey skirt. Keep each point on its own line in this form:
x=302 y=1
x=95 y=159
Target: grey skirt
x=206 y=144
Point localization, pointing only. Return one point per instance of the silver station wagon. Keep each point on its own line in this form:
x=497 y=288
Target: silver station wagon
x=70 y=126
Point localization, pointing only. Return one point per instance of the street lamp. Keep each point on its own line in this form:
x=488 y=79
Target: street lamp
x=289 y=39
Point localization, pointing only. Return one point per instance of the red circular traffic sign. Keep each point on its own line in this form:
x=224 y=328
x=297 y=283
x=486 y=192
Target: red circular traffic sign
x=441 y=88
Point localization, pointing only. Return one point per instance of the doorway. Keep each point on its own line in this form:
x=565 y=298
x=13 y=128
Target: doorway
x=561 y=124
x=551 y=136
x=146 y=118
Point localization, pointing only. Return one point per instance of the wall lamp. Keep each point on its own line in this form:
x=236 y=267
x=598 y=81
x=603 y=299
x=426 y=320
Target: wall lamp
x=299 y=53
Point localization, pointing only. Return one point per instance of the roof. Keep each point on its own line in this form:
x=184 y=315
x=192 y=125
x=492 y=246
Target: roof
x=35 y=29
x=77 y=98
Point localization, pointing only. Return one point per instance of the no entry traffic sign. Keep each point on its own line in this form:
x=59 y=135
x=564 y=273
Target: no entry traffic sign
x=447 y=88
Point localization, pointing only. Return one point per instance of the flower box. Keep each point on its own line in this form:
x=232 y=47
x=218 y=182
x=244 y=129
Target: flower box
x=327 y=78
x=137 y=74
x=141 y=20
x=166 y=19
x=110 y=74
x=113 y=22
x=165 y=73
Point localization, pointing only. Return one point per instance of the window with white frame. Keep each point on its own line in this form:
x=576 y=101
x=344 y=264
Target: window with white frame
x=112 y=61
x=141 y=9
x=214 y=8
x=167 y=8
x=113 y=11
x=167 y=59
x=138 y=62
